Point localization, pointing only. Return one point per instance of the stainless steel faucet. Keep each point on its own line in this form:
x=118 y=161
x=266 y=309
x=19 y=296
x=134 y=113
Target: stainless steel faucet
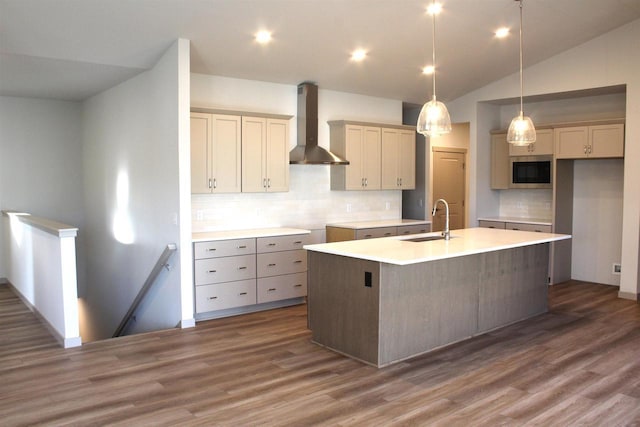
x=445 y=233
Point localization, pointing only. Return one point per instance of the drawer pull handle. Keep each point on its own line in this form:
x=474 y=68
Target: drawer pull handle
x=366 y=236
x=271 y=265
x=271 y=289
x=538 y=231
x=298 y=242
x=212 y=271
x=211 y=249
x=242 y=293
x=242 y=268
x=387 y=234
x=213 y=298
x=515 y=229
x=242 y=247
x=271 y=244
x=297 y=286
x=297 y=261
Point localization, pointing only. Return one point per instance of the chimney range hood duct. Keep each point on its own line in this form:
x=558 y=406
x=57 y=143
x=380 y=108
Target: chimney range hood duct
x=307 y=152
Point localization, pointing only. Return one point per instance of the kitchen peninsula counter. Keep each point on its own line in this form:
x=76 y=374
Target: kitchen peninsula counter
x=385 y=300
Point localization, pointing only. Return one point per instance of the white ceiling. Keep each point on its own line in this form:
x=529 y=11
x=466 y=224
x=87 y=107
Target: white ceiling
x=72 y=49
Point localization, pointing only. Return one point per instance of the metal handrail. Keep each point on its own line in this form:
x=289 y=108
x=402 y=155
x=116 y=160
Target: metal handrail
x=162 y=262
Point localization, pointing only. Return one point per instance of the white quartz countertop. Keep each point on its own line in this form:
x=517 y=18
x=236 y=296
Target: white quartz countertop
x=357 y=225
x=533 y=221
x=398 y=250
x=246 y=234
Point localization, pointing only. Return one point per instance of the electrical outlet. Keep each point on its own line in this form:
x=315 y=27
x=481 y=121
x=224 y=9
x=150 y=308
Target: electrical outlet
x=348 y=207
x=617 y=268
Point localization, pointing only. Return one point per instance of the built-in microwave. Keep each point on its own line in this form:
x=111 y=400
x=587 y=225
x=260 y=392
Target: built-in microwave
x=531 y=172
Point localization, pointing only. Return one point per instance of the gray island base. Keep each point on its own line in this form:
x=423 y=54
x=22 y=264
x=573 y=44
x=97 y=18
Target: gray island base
x=381 y=313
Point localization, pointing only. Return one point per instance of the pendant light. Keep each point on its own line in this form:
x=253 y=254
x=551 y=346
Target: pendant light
x=434 y=117
x=521 y=130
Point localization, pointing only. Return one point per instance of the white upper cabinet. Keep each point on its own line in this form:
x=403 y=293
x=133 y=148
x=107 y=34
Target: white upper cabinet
x=542 y=147
x=398 y=165
x=360 y=145
x=265 y=155
x=599 y=141
x=215 y=153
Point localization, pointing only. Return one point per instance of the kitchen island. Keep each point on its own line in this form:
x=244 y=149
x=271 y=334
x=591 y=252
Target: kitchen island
x=385 y=300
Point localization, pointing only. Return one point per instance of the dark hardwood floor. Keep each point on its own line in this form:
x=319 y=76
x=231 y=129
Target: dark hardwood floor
x=579 y=364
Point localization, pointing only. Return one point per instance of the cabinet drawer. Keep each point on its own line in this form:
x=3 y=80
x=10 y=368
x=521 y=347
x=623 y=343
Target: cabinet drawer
x=528 y=227
x=492 y=224
x=225 y=295
x=278 y=263
x=282 y=243
x=227 y=269
x=403 y=230
x=282 y=287
x=220 y=248
x=372 y=233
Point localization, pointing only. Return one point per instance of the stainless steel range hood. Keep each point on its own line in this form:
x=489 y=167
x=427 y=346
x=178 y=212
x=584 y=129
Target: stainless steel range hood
x=307 y=152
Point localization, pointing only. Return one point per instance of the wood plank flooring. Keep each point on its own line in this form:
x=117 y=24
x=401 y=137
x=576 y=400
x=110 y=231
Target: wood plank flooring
x=579 y=364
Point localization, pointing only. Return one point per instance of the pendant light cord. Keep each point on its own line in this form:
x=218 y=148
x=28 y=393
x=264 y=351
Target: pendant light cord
x=521 y=84
x=433 y=41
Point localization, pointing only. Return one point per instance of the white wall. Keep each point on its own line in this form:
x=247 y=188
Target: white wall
x=597 y=219
x=609 y=60
x=309 y=203
x=131 y=189
x=41 y=164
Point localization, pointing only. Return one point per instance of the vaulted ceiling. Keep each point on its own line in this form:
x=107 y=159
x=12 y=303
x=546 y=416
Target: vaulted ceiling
x=72 y=49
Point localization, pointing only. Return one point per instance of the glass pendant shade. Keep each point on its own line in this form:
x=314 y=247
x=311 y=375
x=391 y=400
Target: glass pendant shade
x=434 y=119
x=521 y=131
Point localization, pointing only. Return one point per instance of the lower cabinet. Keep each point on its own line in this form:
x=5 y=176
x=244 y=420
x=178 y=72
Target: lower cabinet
x=274 y=270
x=524 y=226
x=340 y=234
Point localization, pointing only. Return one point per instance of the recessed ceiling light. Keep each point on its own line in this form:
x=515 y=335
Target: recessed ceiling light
x=434 y=8
x=429 y=69
x=263 y=36
x=502 y=32
x=358 y=55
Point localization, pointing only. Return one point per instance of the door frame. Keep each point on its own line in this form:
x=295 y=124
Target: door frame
x=445 y=149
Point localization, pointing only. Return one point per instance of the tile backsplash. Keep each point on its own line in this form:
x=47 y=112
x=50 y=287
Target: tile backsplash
x=309 y=204
x=529 y=203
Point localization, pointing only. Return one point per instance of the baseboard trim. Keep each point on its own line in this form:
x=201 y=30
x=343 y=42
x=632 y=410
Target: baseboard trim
x=64 y=342
x=628 y=295
x=187 y=323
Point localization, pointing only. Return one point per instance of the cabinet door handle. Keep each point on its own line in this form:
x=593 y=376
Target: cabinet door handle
x=271 y=265
x=400 y=182
x=271 y=244
x=366 y=236
x=212 y=271
x=264 y=182
x=210 y=184
x=387 y=234
x=299 y=242
x=299 y=285
x=242 y=268
x=362 y=182
x=516 y=229
x=242 y=247
x=211 y=249
x=271 y=289
x=268 y=182
x=242 y=293
x=366 y=182
x=585 y=149
x=589 y=150
x=298 y=261
x=215 y=183
x=210 y=298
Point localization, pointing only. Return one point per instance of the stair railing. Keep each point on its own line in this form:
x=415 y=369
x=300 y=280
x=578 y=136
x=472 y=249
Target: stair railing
x=162 y=263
